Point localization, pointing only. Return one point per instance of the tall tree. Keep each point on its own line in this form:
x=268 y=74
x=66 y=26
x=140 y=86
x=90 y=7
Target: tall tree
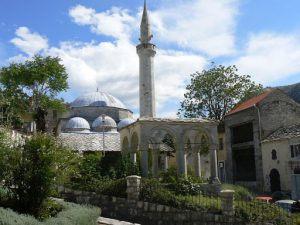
x=213 y=92
x=35 y=84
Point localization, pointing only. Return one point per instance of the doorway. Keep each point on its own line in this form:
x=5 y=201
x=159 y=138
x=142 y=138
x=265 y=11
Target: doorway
x=275 y=180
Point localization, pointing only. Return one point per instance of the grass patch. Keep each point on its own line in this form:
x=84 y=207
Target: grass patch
x=72 y=214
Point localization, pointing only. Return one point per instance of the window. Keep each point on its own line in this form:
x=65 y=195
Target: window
x=274 y=154
x=297 y=171
x=295 y=151
x=221 y=144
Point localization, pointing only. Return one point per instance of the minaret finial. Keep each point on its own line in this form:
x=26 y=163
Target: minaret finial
x=145 y=26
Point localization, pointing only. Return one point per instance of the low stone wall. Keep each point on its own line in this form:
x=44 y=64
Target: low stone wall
x=144 y=212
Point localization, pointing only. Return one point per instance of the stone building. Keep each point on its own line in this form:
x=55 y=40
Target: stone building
x=281 y=160
x=181 y=141
x=247 y=125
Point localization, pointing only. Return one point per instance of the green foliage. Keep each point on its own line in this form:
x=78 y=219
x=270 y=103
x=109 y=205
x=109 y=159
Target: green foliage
x=89 y=167
x=103 y=174
x=181 y=185
x=240 y=193
x=115 y=188
x=154 y=191
x=213 y=92
x=257 y=211
x=185 y=186
x=32 y=171
x=49 y=208
x=33 y=85
x=126 y=168
x=71 y=214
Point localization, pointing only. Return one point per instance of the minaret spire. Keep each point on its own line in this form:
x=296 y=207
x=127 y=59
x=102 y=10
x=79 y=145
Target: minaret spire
x=145 y=26
x=146 y=52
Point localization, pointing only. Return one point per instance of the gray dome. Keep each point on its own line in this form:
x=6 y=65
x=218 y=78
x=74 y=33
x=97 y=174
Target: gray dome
x=107 y=124
x=125 y=122
x=77 y=124
x=97 y=99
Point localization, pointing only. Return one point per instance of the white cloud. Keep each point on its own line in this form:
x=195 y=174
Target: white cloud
x=113 y=68
x=204 y=25
x=29 y=42
x=270 y=57
x=115 y=22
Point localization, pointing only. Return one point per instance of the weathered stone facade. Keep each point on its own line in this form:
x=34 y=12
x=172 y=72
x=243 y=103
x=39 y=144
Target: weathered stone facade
x=262 y=116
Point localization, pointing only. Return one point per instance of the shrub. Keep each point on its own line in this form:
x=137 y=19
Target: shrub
x=185 y=186
x=240 y=193
x=153 y=191
x=115 y=188
x=34 y=169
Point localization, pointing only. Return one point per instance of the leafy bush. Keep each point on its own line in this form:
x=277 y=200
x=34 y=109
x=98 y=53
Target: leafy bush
x=240 y=193
x=115 y=188
x=71 y=214
x=32 y=171
x=153 y=191
x=185 y=186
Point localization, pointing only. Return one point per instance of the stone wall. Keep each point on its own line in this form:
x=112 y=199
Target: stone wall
x=144 y=212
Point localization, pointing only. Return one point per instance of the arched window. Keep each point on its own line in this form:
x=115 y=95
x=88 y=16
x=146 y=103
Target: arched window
x=274 y=154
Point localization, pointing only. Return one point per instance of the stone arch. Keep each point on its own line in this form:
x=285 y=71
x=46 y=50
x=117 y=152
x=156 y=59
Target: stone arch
x=202 y=149
x=163 y=147
x=190 y=156
x=134 y=145
x=134 y=142
x=158 y=133
x=125 y=145
x=193 y=133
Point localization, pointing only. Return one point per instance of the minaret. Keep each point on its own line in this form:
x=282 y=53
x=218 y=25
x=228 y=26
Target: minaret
x=146 y=52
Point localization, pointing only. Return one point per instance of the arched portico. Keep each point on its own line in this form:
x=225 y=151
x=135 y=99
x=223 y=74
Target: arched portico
x=189 y=136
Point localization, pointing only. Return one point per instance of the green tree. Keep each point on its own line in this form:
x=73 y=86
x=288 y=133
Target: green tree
x=33 y=169
x=33 y=86
x=213 y=92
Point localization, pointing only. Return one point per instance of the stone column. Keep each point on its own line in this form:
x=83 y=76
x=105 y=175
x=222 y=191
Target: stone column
x=213 y=166
x=133 y=187
x=155 y=153
x=181 y=158
x=197 y=161
x=133 y=157
x=144 y=160
x=166 y=161
x=227 y=202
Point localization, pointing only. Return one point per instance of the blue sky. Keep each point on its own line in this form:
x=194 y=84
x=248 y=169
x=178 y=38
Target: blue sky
x=96 y=41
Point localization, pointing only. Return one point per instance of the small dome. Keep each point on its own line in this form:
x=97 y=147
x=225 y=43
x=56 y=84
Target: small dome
x=107 y=123
x=77 y=124
x=97 y=99
x=125 y=122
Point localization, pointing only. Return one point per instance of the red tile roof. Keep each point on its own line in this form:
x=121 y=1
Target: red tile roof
x=249 y=103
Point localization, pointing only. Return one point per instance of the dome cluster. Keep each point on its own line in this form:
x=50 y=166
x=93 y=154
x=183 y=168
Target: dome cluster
x=93 y=104
x=102 y=123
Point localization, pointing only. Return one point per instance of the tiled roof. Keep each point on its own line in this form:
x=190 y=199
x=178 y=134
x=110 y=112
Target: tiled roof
x=249 y=103
x=91 y=141
x=285 y=132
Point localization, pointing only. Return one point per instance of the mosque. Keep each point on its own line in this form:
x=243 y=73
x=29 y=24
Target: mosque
x=98 y=121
